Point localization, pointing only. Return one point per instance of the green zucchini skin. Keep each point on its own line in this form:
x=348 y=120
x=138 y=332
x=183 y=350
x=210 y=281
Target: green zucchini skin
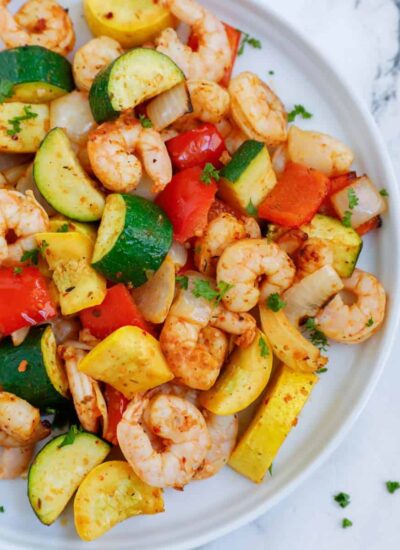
x=241 y=160
x=33 y=385
x=99 y=99
x=35 y=64
x=141 y=246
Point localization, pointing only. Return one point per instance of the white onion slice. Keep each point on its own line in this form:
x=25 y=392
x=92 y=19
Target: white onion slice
x=370 y=202
x=178 y=254
x=167 y=107
x=305 y=298
x=18 y=336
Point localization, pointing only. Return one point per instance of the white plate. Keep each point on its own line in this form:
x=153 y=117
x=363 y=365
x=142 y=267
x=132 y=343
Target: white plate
x=206 y=510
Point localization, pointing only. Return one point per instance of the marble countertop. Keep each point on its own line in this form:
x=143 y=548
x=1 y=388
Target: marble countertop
x=362 y=39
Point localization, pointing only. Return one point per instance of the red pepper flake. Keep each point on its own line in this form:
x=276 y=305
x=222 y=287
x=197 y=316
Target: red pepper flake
x=109 y=15
x=23 y=365
x=40 y=25
x=287 y=398
x=295 y=421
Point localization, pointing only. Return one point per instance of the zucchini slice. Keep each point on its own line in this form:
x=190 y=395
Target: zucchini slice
x=109 y=494
x=133 y=240
x=30 y=128
x=57 y=472
x=42 y=381
x=62 y=181
x=38 y=75
x=248 y=178
x=135 y=76
x=131 y=23
x=345 y=242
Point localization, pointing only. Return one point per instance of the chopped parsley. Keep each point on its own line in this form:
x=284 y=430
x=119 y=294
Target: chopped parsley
x=270 y=469
x=321 y=371
x=1 y=509
x=42 y=247
x=70 y=436
x=392 y=486
x=209 y=173
x=383 y=192
x=64 y=228
x=346 y=523
x=271 y=72
x=16 y=121
x=6 y=90
x=253 y=42
x=31 y=256
x=299 y=110
x=145 y=122
x=262 y=344
x=251 y=209
x=17 y=270
x=353 y=202
x=182 y=281
x=317 y=337
x=369 y=323
x=343 y=499
x=275 y=302
x=203 y=289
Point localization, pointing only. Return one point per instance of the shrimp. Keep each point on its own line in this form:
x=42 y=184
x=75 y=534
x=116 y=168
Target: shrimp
x=39 y=22
x=313 y=255
x=220 y=232
x=14 y=462
x=243 y=263
x=354 y=323
x=111 y=149
x=257 y=110
x=214 y=53
x=210 y=101
x=91 y=58
x=192 y=338
x=22 y=217
x=185 y=439
x=20 y=420
x=223 y=434
x=88 y=400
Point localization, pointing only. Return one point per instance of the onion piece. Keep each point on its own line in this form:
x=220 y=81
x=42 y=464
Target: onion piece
x=167 y=107
x=18 y=336
x=305 y=298
x=370 y=202
x=279 y=159
x=178 y=254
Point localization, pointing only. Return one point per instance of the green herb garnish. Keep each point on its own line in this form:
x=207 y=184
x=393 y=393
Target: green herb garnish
x=270 y=469
x=275 y=302
x=70 y=436
x=343 y=499
x=145 y=122
x=31 y=256
x=321 y=371
x=251 y=209
x=42 y=247
x=299 y=110
x=346 y=523
x=263 y=347
x=384 y=192
x=392 y=486
x=1 y=509
x=6 y=90
x=17 y=270
x=247 y=39
x=209 y=173
x=346 y=220
x=369 y=323
x=16 y=121
x=182 y=281
x=271 y=72
x=353 y=202
x=203 y=289
x=317 y=337
x=64 y=228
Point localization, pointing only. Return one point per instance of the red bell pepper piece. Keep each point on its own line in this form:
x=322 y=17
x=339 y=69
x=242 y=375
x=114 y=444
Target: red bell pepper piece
x=296 y=197
x=186 y=201
x=196 y=147
x=337 y=184
x=234 y=36
x=368 y=226
x=117 y=310
x=25 y=299
x=116 y=405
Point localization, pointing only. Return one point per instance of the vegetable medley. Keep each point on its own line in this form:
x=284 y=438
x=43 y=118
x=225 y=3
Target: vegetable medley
x=170 y=251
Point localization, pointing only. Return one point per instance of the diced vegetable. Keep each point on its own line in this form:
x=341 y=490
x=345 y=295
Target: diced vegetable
x=133 y=239
x=64 y=225
x=135 y=76
x=187 y=200
x=167 y=107
x=33 y=371
x=297 y=196
x=25 y=299
x=68 y=255
x=72 y=113
x=117 y=310
x=58 y=470
x=306 y=297
x=116 y=405
x=369 y=202
x=319 y=151
x=38 y=75
x=242 y=380
x=196 y=147
x=131 y=23
x=248 y=178
x=22 y=127
x=285 y=398
x=345 y=243
x=109 y=494
x=155 y=297
x=287 y=342
x=62 y=181
x=374 y=223
x=234 y=36
x=130 y=360
x=337 y=184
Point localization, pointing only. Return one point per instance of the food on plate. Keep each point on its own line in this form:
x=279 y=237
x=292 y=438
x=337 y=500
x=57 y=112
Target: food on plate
x=174 y=252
